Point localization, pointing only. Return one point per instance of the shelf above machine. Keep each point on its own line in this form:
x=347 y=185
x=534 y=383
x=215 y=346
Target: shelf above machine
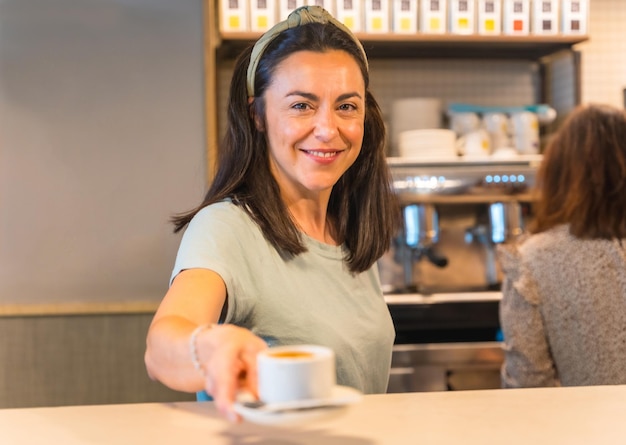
x=469 y=197
x=531 y=161
x=395 y=45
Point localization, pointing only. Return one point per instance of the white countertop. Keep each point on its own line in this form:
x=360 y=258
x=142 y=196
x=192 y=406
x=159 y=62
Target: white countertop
x=584 y=415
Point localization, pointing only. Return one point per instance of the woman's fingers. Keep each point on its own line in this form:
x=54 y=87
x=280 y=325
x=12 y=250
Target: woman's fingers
x=224 y=375
x=232 y=367
x=249 y=359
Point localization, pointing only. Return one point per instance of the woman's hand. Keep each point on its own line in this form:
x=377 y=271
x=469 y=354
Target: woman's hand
x=227 y=354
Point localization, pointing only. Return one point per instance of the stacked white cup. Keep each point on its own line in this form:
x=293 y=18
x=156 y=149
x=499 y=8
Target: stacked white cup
x=525 y=132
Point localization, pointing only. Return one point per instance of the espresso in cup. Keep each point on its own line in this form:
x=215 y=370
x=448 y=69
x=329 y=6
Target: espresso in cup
x=295 y=372
x=292 y=354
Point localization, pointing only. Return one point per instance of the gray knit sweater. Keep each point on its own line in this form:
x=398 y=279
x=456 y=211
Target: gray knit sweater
x=563 y=311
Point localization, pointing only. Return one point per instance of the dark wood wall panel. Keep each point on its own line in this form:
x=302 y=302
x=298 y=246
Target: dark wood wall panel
x=77 y=359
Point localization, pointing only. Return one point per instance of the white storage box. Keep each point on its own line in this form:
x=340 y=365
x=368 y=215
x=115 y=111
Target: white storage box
x=462 y=18
x=433 y=16
x=516 y=17
x=262 y=15
x=404 y=16
x=489 y=17
x=328 y=5
x=350 y=13
x=545 y=17
x=575 y=16
x=234 y=15
x=286 y=7
x=377 y=18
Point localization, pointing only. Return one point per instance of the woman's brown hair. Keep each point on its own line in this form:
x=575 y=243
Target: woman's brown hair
x=582 y=179
x=362 y=206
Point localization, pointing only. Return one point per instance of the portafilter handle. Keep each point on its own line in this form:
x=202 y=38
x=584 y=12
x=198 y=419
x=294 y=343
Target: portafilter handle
x=435 y=258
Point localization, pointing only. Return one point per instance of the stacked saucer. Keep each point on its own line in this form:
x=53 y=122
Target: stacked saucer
x=428 y=144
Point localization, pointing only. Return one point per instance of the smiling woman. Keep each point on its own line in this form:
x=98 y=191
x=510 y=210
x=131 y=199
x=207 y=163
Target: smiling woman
x=282 y=250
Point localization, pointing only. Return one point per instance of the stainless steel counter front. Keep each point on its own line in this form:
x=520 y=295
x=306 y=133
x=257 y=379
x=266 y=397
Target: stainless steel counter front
x=445 y=341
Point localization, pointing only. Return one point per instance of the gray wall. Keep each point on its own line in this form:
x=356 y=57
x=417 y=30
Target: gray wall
x=101 y=141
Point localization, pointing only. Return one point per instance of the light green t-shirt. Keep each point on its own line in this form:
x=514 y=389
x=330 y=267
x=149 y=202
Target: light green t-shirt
x=308 y=299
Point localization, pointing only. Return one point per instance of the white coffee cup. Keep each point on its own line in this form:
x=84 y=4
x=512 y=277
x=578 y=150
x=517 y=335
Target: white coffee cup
x=463 y=123
x=525 y=132
x=498 y=127
x=298 y=372
x=474 y=143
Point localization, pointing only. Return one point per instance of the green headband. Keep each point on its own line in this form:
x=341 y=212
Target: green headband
x=300 y=16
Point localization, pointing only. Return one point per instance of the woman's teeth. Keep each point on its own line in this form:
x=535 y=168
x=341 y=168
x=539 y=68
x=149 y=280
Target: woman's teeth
x=322 y=154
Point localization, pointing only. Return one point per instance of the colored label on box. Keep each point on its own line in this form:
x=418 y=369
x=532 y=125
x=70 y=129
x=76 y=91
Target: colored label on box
x=233 y=22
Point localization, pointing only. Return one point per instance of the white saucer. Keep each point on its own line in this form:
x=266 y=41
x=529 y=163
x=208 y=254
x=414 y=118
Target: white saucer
x=505 y=153
x=291 y=413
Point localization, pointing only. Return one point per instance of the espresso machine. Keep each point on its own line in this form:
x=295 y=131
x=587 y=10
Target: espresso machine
x=455 y=213
x=441 y=277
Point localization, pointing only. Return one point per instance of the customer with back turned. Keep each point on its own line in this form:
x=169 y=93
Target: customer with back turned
x=283 y=248
x=563 y=311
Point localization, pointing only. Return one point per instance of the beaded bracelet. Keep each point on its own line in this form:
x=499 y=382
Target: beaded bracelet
x=193 y=347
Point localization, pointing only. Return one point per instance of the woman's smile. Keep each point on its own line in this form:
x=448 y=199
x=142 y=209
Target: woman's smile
x=325 y=156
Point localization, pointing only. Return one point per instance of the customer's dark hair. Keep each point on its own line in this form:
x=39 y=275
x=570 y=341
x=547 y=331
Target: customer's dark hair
x=362 y=207
x=582 y=179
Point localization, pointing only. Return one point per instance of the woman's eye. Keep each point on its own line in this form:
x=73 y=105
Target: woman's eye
x=347 y=107
x=301 y=106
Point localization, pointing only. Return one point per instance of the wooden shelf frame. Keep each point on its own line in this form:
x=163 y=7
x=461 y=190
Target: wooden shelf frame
x=531 y=47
